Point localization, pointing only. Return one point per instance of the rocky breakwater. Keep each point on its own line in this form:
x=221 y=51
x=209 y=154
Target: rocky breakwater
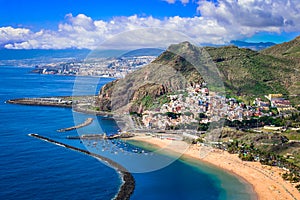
x=128 y=184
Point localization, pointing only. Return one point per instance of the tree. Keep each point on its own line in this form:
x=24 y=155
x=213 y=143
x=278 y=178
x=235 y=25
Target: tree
x=203 y=127
x=252 y=145
x=202 y=115
x=247 y=157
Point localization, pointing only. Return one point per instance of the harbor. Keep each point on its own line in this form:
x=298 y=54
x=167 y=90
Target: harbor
x=101 y=136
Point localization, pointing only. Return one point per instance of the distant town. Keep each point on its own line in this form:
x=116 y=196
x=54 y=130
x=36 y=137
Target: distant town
x=102 y=67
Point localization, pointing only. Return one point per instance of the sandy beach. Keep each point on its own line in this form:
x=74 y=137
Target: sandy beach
x=266 y=180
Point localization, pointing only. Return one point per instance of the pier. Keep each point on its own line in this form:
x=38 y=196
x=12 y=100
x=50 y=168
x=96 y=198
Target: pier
x=87 y=122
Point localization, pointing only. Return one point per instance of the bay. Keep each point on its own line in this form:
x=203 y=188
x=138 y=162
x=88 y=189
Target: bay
x=34 y=169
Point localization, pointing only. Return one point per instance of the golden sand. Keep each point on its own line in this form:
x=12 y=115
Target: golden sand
x=266 y=180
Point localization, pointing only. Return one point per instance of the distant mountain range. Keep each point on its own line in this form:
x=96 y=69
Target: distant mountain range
x=32 y=57
x=79 y=54
x=143 y=52
x=43 y=56
x=252 y=45
x=23 y=54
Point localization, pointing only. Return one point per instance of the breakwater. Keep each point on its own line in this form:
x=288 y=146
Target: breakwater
x=87 y=122
x=47 y=101
x=128 y=185
x=101 y=136
x=86 y=110
x=63 y=101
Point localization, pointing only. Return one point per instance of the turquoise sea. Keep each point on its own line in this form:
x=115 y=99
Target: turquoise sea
x=34 y=169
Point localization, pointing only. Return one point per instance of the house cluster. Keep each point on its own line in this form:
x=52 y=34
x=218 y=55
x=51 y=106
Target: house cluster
x=199 y=105
x=239 y=111
x=279 y=102
x=263 y=105
x=104 y=67
x=194 y=105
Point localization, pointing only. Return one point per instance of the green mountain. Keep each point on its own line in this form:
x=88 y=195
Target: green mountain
x=290 y=53
x=288 y=50
x=248 y=73
x=240 y=72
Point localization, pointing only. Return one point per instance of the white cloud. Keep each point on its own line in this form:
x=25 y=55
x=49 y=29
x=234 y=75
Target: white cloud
x=219 y=23
x=251 y=16
x=13 y=34
x=82 y=32
x=170 y=1
x=173 y=1
x=184 y=1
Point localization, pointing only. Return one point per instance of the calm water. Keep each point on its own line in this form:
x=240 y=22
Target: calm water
x=34 y=169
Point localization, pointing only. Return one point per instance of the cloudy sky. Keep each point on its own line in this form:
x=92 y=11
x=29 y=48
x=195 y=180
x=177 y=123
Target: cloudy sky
x=59 y=24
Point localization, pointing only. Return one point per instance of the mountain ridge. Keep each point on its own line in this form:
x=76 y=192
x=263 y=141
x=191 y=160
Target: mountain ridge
x=288 y=50
x=245 y=73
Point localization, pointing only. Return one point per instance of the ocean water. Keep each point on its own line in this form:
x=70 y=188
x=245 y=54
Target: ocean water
x=34 y=169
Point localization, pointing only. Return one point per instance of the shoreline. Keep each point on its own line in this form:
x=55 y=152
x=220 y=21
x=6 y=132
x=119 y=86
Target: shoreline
x=266 y=181
x=128 y=183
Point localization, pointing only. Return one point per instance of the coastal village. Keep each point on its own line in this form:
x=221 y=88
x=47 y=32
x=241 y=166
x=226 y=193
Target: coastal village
x=199 y=105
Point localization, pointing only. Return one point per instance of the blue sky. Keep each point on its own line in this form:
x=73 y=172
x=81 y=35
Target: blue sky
x=38 y=13
x=82 y=23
